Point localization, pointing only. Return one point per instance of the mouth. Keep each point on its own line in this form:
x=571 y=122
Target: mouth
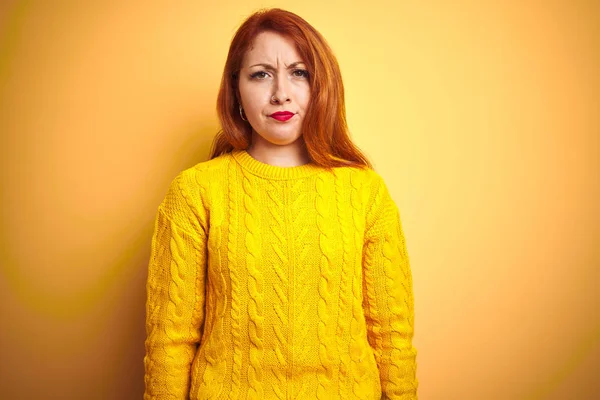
x=282 y=115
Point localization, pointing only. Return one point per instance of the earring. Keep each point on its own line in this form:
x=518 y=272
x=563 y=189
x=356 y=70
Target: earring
x=242 y=113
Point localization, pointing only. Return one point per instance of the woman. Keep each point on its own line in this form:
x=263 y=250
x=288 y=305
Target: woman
x=278 y=267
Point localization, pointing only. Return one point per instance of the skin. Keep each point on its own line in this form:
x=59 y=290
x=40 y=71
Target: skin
x=274 y=142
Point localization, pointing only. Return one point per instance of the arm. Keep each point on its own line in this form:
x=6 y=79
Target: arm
x=388 y=297
x=175 y=291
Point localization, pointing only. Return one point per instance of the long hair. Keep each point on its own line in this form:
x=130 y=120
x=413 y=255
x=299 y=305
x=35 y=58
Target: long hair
x=324 y=127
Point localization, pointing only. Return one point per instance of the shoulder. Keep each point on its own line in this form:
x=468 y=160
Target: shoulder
x=367 y=182
x=376 y=194
x=358 y=177
x=202 y=175
x=187 y=190
x=210 y=168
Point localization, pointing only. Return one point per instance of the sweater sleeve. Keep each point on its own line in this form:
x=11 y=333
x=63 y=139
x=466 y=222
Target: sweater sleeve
x=175 y=291
x=388 y=296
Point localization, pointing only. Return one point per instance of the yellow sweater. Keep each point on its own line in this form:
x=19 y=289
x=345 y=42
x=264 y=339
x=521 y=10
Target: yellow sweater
x=268 y=282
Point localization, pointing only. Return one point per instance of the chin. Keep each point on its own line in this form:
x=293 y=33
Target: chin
x=282 y=140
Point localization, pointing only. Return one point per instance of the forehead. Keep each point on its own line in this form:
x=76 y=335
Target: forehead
x=271 y=47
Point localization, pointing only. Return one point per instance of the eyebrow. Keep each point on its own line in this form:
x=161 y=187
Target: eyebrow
x=269 y=66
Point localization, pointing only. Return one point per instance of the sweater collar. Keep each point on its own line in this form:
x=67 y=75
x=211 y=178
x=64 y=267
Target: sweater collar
x=271 y=171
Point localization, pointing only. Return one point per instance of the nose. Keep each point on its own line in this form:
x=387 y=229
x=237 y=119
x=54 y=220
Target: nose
x=281 y=91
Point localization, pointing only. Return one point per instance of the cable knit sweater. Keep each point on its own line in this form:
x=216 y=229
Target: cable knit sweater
x=269 y=282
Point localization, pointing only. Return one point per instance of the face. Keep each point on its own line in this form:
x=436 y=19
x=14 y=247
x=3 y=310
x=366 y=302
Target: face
x=282 y=75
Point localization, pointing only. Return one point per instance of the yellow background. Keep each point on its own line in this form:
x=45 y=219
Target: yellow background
x=482 y=117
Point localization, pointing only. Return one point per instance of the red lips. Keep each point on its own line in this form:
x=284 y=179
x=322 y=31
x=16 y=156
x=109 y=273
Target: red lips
x=282 y=115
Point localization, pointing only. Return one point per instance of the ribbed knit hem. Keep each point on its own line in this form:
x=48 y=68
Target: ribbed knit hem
x=271 y=171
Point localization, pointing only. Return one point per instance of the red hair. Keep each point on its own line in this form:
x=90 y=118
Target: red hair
x=324 y=128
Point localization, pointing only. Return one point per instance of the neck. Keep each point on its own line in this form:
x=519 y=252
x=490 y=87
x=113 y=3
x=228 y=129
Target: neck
x=289 y=155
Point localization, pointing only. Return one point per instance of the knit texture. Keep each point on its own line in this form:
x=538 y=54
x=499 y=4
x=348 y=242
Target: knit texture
x=268 y=282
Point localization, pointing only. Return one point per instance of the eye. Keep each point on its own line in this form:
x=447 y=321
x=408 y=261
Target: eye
x=303 y=73
x=257 y=74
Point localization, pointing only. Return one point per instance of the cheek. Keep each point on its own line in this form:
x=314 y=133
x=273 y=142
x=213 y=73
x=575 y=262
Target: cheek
x=253 y=111
x=244 y=94
x=304 y=98
x=251 y=96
